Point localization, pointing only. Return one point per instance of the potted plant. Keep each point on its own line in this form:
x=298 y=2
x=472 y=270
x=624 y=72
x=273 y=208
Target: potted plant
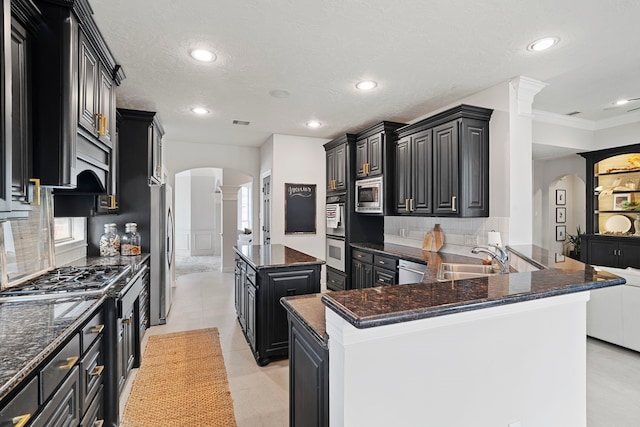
x=575 y=240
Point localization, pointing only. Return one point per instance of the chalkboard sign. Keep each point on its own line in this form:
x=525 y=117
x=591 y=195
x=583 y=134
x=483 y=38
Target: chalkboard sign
x=299 y=208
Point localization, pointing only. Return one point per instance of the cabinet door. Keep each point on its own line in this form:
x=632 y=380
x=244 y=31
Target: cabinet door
x=403 y=175
x=331 y=168
x=107 y=98
x=474 y=169
x=367 y=275
x=375 y=155
x=383 y=277
x=341 y=168
x=362 y=157
x=629 y=253
x=603 y=252
x=445 y=169
x=357 y=269
x=251 y=315
x=89 y=84
x=126 y=347
x=155 y=155
x=21 y=119
x=422 y=173
x=63 y=408
x=336 y=281
x=5 y=111
x=308 y=379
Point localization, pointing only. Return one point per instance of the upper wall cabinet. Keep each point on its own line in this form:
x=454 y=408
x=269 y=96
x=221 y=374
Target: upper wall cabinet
x=19 y=189
x=75 y=76
x=374 y=147
x=442 y=164
x=337 y=157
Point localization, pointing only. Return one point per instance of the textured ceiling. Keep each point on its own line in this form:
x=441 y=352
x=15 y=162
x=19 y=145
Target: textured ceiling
x=423 y=54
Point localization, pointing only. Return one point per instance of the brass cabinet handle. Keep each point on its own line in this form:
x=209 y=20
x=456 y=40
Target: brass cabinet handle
x=112 y=201
x=20 y=420
x=98 y=423
x=126 y=321
x=70 y=362
x=406 y=205
x=97 y=371
x=36 y=192
x=96 y=329
x=101 y=121
x=453 y=203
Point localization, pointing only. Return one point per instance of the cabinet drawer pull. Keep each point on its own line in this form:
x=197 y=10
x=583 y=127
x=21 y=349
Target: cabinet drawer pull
x=71 y=361
x=20 y=420
x=411 y=205
x=406 y=205
x=97 y=371
x=453 y=203
x=36 y=191
x=126 y=321
x=96 y=329
x=98 y=423
x=112 y=201
x=381 y=262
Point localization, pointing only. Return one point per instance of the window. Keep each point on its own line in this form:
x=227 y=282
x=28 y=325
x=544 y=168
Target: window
x=68 y=229
x=244 y=207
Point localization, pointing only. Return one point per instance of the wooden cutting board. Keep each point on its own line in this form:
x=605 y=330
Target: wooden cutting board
x=428 y=241
x=438 y=238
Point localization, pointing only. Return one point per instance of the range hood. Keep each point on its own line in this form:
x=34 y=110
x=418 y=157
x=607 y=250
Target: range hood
x=80 y=201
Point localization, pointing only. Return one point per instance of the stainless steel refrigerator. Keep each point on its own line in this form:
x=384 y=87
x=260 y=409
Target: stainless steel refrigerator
x=162 y=253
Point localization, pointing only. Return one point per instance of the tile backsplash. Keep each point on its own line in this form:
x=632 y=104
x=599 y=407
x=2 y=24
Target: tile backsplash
x=460 y=234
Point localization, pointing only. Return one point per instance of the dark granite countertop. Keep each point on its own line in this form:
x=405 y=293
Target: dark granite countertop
x=413 y=254
x=309 y=310
x=384 y=305
x=270 y=256
x=31 y=331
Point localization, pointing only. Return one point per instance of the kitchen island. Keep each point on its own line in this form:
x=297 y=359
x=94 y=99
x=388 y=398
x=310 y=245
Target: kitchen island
x=263 y=275
x=492 y=351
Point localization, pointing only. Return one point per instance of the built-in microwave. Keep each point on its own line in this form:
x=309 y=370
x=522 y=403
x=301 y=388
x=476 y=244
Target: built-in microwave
x=369 y=195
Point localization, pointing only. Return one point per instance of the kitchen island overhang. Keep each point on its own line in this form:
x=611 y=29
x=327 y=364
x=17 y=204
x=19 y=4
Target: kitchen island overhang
x=482 y=352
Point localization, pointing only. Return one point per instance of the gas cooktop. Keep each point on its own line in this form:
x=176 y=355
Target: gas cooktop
x=66 y=281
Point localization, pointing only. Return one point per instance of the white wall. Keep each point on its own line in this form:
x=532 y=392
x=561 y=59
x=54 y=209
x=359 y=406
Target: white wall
x=182 y=208
x=205 y=221
x=626 y=134
x=297 y=160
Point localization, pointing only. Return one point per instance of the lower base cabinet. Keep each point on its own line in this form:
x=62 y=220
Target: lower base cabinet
x=308 y=378
x=257 y=300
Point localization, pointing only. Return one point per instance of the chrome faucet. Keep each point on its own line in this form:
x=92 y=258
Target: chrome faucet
x=500 y=255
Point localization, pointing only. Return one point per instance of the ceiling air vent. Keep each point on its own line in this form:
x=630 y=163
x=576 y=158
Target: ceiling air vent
x=241 y=122
x=573 y=113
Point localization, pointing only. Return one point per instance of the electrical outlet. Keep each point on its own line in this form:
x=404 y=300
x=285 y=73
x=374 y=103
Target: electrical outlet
x=515 y=424
x=471 y=240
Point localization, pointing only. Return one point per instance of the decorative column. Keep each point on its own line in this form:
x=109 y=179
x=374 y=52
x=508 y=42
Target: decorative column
x=522 y=91
x=229 y=233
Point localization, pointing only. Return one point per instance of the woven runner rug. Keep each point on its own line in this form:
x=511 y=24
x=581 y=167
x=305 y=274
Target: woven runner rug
x=182 y=381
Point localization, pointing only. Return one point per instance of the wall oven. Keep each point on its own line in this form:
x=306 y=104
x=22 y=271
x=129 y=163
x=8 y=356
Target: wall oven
x=369 y=195
x=336 y=220
x=336 y=253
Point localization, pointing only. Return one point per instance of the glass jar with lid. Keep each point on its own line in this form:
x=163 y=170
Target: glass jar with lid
x=130 y=243
x=109 y=241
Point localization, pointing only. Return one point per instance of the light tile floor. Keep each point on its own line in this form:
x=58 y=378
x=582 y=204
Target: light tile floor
x=204 y=300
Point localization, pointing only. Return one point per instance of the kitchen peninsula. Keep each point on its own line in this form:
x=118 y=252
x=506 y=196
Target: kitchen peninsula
x=503 y=350
x=263 y=275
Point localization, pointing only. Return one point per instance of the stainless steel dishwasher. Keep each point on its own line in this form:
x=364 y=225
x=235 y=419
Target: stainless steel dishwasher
x=410 y=272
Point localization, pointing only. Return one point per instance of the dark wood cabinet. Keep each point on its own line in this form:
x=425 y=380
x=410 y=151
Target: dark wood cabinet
x=369 y=156
x=22 y=407
x=613 y=195
x=155 y=153
x=337 y=158
x=74 y=79
x=262 y=318
x=413 y=178
x=370 y=270
x=20 y=22
x=442 y=165
x=308 y=378
x=336 y=280
x=63 y=409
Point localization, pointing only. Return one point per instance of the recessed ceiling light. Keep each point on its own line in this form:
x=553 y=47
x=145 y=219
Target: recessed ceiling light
x=314 y=124
x=621 y=101
x=200 y=111
x=543 y=44
x=203 y=55
x=366 y=85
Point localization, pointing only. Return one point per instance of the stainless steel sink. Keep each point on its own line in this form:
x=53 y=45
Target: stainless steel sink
x=450 y=271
